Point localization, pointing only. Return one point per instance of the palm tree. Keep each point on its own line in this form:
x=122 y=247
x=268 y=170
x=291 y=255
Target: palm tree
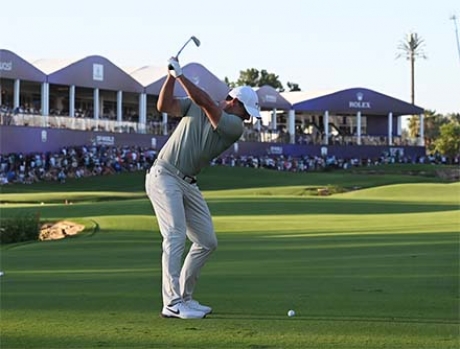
x=412 y=48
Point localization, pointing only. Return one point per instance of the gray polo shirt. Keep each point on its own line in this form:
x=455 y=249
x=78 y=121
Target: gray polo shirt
x=194 y=142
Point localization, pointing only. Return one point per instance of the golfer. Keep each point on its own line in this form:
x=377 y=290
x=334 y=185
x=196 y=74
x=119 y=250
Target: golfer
x=205 y=131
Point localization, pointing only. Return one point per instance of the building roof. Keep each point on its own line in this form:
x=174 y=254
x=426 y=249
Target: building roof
x=352 y=100
x=99 y=72
x=51 y=65
x=270 y=98
x=95 y=72
x=147 y=75
x=200 y=76
x=14 y=67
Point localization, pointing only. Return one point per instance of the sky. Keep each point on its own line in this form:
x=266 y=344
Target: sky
x=319 y=45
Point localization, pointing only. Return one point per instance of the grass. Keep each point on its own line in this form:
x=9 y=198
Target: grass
x=370 y=268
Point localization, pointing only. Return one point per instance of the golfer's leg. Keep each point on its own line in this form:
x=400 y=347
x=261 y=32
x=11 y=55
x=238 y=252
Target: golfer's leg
x=200 y=231
x=166 y=197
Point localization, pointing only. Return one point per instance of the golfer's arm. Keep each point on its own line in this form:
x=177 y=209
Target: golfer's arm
x=166 y=101
x=202 y=99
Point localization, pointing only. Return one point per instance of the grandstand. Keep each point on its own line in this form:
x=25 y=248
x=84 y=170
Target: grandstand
x=48 y=104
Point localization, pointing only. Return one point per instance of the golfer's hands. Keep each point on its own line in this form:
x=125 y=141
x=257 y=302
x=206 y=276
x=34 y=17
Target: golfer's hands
x=174 y=67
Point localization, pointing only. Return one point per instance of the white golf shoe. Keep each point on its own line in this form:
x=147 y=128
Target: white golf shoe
x=193 y=304
x=181 y=311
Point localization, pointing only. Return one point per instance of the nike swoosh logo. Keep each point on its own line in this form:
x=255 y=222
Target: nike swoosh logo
x=177 y=312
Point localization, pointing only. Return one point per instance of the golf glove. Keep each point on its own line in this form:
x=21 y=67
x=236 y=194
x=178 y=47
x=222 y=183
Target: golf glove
x=174 y=68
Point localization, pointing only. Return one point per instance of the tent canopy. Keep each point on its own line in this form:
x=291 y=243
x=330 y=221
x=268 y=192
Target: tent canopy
x=352 y=100
x=15 y=67
x=99 y=72
x=147 y=75
x=201 y=77
x=95 y=72
x=270 y=98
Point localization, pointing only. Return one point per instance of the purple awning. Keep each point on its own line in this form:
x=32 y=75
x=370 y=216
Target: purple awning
x=352 y=100
x=96 y=72
x=270 y=98
x=201 y=77
x=14 y=67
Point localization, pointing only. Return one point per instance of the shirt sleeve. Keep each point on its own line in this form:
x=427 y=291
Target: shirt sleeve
x=230 y=127
x=185 y=104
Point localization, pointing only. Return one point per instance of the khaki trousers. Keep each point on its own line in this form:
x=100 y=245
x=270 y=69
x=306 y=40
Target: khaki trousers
x=182 y=213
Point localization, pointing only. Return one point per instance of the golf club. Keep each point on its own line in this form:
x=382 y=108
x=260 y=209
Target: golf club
x=192 y=38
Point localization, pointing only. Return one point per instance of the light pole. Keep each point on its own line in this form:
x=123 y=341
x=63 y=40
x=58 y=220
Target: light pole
x=454 y=18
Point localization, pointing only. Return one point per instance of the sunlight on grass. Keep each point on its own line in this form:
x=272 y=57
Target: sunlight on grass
x=433 y=193
x=342 y=224
x=373 y=268
x=59 y=198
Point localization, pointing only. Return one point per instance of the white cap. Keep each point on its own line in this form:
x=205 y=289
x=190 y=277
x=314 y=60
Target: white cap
x=247 y=96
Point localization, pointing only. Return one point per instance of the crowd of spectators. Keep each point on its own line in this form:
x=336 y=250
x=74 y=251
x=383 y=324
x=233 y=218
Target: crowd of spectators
x=100 y=160
x=73 y=162
x=320 y=163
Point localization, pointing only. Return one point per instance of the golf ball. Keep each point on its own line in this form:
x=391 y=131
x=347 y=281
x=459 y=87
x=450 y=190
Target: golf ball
x=291 y=313
x=1 y=273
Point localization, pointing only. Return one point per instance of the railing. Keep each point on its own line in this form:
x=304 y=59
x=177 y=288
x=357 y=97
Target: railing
x=72 y=123
x=158 y=128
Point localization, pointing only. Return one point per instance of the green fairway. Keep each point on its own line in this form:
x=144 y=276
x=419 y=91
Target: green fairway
x=371 y=268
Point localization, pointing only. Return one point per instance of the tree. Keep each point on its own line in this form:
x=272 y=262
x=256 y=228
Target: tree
x=293 y=86
x=229 y=83
x=432 y=127
x=448 y=143
x=412 y=48
x=413 y=126
x=454 y=117
x=255 y=78
x=250 y=77
x=432 y=123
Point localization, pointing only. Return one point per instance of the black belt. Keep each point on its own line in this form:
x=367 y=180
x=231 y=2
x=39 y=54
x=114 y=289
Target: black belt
x=172 y=169
x=188 y=179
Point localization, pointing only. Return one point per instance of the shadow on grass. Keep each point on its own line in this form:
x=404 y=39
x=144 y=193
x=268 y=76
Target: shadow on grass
x=222 y=177
x=305 y=206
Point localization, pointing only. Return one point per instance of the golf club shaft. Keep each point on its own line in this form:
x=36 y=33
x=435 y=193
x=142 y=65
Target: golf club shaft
x=186 y=43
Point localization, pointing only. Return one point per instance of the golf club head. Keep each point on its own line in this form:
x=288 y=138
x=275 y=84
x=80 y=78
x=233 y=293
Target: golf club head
x=196 y=41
